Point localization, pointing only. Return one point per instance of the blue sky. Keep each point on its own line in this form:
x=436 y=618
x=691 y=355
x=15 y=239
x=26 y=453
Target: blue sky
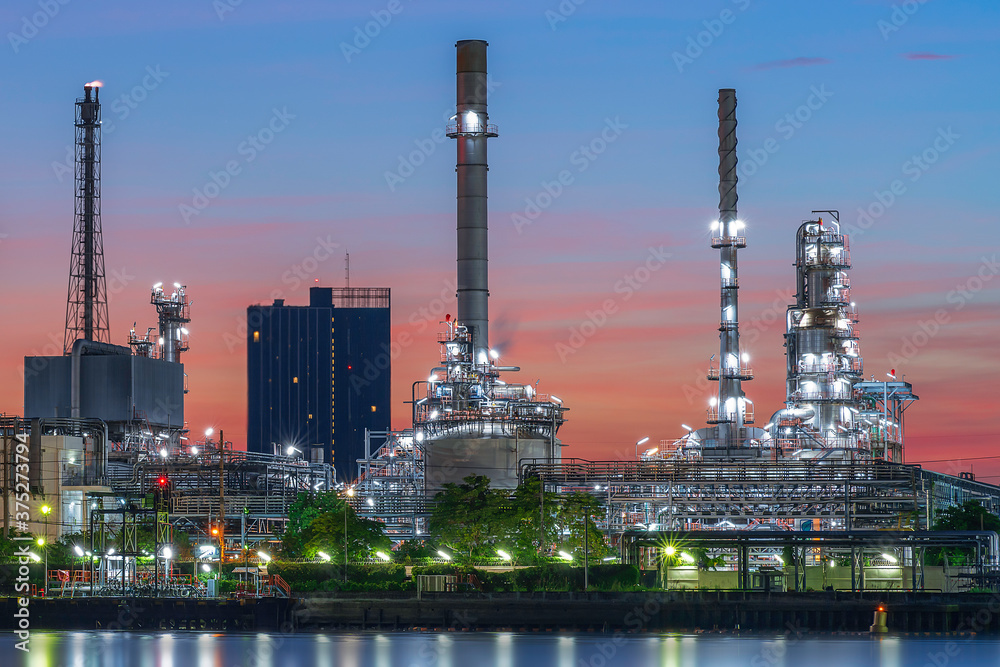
x=891 y=84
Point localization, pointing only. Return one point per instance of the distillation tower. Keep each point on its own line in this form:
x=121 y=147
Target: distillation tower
x=173 y=313
x=821 y=348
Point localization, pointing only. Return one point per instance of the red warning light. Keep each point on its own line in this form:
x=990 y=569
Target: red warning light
x=349 y=367
x=162 y=481
x=447 y=317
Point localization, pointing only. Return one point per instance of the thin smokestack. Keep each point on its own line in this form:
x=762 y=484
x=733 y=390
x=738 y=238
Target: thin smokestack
x=727 y=155
x=732 y=370
x=471 y=128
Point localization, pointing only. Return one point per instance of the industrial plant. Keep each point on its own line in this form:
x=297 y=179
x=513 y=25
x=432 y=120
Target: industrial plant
x=110 y=449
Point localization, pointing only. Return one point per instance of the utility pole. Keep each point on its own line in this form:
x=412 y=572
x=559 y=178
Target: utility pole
x=222 y=505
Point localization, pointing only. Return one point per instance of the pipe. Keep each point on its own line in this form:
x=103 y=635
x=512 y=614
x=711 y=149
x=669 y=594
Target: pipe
x=471 y=130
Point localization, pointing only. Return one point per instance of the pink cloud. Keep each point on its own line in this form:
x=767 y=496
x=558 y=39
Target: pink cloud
x=928 y=56
x=801 y=61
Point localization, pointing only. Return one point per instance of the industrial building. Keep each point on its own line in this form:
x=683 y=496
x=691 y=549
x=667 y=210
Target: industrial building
x=104 y=432
x=830 y=460
x=319 y=376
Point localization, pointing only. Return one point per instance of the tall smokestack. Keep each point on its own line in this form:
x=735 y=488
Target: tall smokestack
x=730 y=414
x=471 y=128
x=87 y=301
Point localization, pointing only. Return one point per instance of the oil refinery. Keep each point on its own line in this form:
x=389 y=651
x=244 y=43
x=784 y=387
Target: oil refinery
x=105 y=423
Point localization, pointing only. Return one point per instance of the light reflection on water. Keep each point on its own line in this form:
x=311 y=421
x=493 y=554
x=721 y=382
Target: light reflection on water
x=490 y=649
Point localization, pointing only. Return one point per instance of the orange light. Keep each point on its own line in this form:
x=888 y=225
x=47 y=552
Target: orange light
x=215 y=531
x=881 y=608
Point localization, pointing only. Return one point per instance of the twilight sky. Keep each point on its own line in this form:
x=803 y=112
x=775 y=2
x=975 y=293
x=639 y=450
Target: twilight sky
x=607 y=289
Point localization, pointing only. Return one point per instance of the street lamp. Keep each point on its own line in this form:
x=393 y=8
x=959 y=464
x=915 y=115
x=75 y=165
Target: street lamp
x=45 y=552
x=45 y=513
x=168 y=553
x=350 y=493
x=324 y=556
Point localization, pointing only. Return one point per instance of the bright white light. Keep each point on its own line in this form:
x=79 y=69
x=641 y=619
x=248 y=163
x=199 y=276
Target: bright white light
x=713 y=401
x=768 y=426
x=35 y=557
x=434 y=414
x=420 y=436
x=209 y=431
x=77 y=550
x=670 y=550
x=382 y=556
x=371 y=503
x=433 y=377
x=194 y=451
x=184 y=331
x=205 y=568
x=555 y=398
x=686 y=427
x=503 y=554
x=161 y=340
x=745 y=357
x=779 y=559
x=263 y=556
x=322 y=554
x=482 y=358
x=686 y=557
x=157 y=285
x=890 y=558
x=163 y=453
x=494 y=355
x=652 y=451
x=168 y=553
x=290 y=449
x=565 y=556
x=444 y=555
x=643 y=441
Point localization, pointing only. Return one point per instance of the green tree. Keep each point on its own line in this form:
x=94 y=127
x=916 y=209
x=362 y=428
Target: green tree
x=316 y=523
x=577 y=528
x=469 y=518
x=970 y=515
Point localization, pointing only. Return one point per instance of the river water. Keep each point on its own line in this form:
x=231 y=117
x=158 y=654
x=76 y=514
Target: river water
x=493 y=649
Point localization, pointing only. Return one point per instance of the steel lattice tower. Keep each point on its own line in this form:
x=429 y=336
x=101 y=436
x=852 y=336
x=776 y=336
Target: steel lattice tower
x=87 y=301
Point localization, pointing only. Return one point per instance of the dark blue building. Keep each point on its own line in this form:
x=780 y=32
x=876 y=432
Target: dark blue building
x=319 y=375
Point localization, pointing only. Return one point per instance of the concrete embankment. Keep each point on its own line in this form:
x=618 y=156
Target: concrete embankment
x=143 y=614
x=673 y=610
x=597 y=611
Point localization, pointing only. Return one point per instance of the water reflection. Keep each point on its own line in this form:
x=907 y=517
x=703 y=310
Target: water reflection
x=193 y=649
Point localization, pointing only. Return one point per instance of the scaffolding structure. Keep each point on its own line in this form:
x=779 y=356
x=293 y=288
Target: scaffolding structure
x=390 y=486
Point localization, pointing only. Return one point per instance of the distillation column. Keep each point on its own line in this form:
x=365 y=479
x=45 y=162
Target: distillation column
x=471 y=128
x=821 y=341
